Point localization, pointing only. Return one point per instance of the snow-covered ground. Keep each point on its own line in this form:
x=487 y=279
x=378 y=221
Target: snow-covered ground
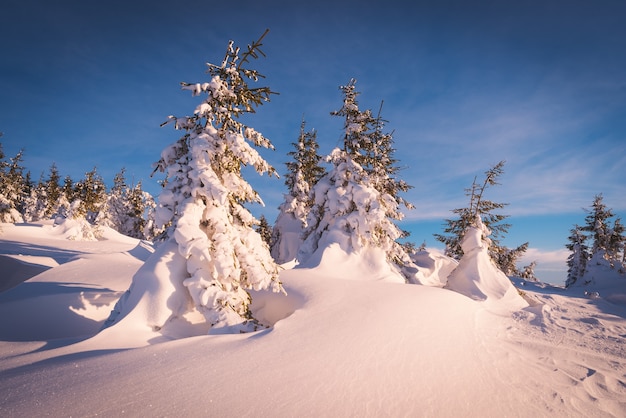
x=335 y=347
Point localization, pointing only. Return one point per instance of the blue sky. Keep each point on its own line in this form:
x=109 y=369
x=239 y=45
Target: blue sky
x=540 y=84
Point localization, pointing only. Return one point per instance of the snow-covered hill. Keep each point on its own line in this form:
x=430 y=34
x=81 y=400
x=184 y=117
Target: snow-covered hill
x=334 y=347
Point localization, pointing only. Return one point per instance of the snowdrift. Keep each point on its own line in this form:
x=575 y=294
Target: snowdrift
x=335 y=256
x=478 y=278
x=335 y=347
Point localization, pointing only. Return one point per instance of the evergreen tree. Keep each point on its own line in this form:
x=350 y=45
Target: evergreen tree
x=370 y=147
x=303 y=172
x=124 y=209
x=359 y=126
x=140 y=203
x=351 y=198
x=607 y=242
x=617 y=243
x=384 y=165
x=385 y=173
x=597 y=224
x=12 y=189
x=204 y=193
x=346 y=201
x=528 y=272
x=150 y=230
x=36 y=203
x=363 y=171
x=29 y=185
x=264 y=230
x=579 y=256
x=68 y=189
x=12 y=186
x=53 y=192
x=504 y=257
x=92 y=194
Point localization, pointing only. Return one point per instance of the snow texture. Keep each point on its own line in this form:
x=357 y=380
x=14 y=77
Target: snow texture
x=342 y=342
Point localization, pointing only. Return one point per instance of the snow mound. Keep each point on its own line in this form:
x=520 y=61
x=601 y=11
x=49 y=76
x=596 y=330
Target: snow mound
x=601 y=281
x=335 y=256
x=75 y=229
x=17 y=269
x=142 y=251
x=154 y=296
x=477 y=277
x=433 y=267
x=289 y=231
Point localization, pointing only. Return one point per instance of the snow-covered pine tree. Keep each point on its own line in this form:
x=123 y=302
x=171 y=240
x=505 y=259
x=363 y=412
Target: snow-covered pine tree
x=617 y=244
x=115 y=211
x=68 y=190
x=504 y=257
x=597 y=225
x=125 y=208
x=353 y=197
x=12 y=188
x=92 y=193
x=606 y=242
x=384 y=164
x=359 y=128
x=346 y=201
x=528 y=272
x=303 y=172
x=140 y=203
x=577 y=260
x=36 y=202
x=53 y=192
x=204 y=194
x=150 y=231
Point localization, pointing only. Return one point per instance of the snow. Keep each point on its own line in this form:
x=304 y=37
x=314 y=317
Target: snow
x=342 y=342
x=477 y=277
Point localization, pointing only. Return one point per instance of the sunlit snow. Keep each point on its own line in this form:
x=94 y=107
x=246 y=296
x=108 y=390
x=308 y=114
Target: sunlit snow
x=345 y=340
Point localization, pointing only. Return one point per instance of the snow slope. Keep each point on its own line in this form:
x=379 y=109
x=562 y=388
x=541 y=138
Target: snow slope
x=359 y=347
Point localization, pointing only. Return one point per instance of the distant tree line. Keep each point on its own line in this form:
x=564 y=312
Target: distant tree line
x=126 y=208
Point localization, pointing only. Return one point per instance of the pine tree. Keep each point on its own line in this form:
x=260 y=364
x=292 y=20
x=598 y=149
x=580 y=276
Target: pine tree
x=358 y=140
x=53 y=192
x=598 y=226
x=617 y=243
x=140 y=202
x=68 y=189
x=12 y=187
x=36 y=202
x=354 y=197
x=579 y=256
x=607 y=242
x=528 y=272
x=150 y=231
x=504 y=257
x=124 y=209
x=303 y=172
x=346 y=201
x=264 y=230
x=92 y=193
x=204 y=193
x=385 y=173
